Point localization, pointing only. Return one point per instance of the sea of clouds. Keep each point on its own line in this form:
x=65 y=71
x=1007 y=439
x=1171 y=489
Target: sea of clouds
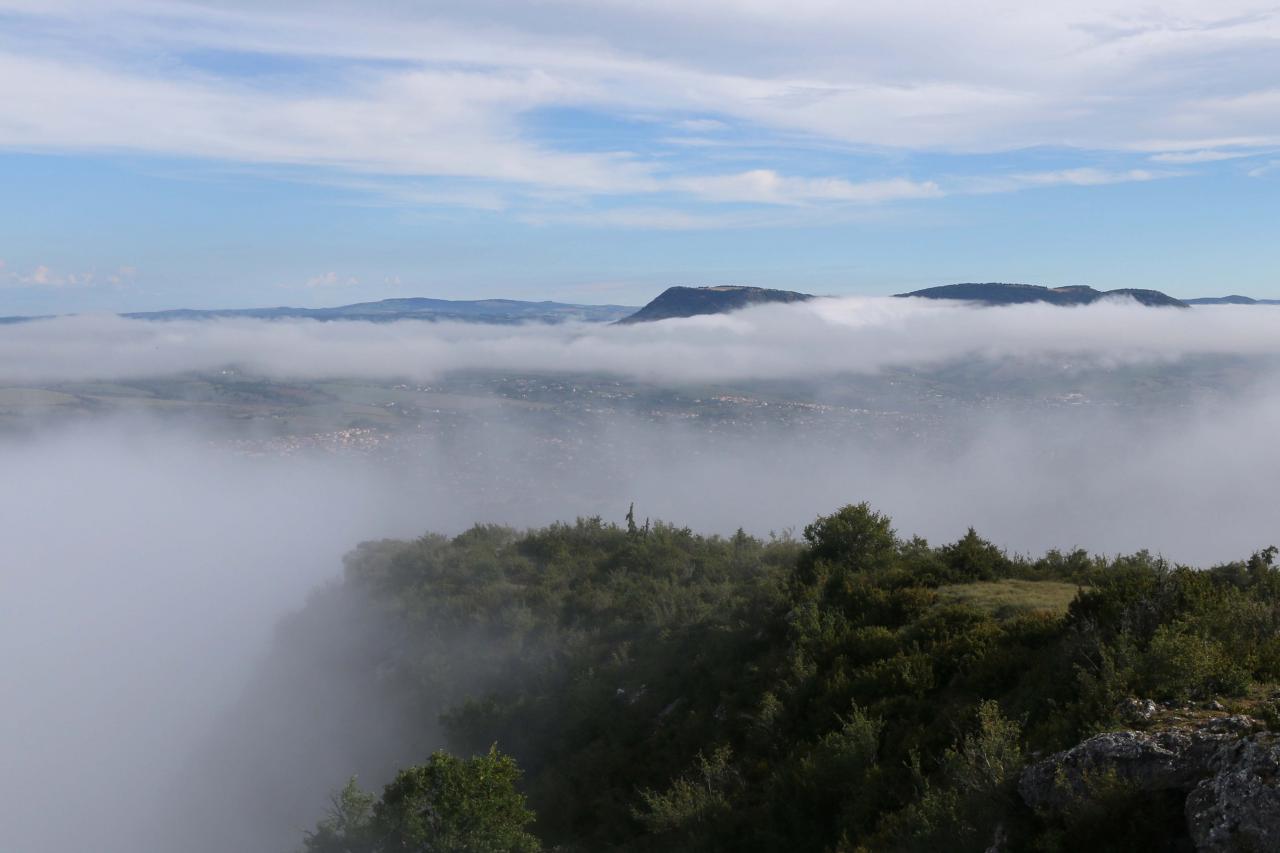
x=804 y=340
x=144 y=565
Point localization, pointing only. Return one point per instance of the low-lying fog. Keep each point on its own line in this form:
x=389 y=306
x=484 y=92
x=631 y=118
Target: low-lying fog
x=146 y=563
x=819 y=337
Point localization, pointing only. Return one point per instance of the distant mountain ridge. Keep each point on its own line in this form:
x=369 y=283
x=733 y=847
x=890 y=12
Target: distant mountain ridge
x=414 y=308
x=1002 y=293
x=679 y=301
x=1234 y=299
x=695 y=301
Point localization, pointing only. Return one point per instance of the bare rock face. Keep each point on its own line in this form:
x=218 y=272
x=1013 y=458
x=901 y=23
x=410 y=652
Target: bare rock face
x=1238 y=807
x=1138 y=710
x=1231 y=775
x=1143 y=761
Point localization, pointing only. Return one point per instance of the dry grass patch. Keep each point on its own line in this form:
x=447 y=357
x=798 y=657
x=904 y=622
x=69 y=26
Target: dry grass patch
x=1008 y=598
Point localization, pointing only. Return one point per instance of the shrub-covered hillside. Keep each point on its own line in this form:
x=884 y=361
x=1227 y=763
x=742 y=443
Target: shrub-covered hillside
x=648 y=688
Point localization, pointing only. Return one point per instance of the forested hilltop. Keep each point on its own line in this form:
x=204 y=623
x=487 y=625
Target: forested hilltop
x=642 y=687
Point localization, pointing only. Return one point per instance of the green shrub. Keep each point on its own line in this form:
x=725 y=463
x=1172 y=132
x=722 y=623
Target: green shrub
x=448 y=805
x=605 y=656
x=700 y=796
x=1180 y=664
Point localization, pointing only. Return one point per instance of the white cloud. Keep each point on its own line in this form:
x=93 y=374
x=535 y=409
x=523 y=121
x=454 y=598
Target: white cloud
x=1086 y=177
x=695 y=141
x=822 y=337
x=1205 y=156
x=46 y=277
x=701 y=125
x=445 y=92
x=424 y=122
x=646 y=218
x=768 y=187
x=1079 y=177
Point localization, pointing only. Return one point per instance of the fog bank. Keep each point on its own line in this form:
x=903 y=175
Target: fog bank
x=145 y=562
x=142 y=574
x=144 y=570
x=803 y=340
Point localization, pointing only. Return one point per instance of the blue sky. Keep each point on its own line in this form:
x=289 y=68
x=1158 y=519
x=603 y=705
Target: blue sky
x=170 y=154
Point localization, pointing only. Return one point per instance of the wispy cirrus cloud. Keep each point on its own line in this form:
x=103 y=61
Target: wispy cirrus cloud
x=765 y=186
x=395 y=92
x=1077 y=177
x=764 y=199
x=1206 y=156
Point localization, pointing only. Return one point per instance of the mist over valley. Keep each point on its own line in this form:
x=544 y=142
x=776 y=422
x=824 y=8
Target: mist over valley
x=215 y=472
x=579 y=426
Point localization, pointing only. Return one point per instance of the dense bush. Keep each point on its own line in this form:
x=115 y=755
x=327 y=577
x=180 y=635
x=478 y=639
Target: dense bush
x=853 y=690
x=447 y=805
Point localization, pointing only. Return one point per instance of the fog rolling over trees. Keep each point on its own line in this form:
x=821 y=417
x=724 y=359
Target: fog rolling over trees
x=142 y=577
x=153 y=550
x=484 y=426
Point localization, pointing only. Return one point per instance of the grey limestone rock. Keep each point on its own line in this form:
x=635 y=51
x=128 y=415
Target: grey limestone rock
x=1230 y=771
x=1238 y=807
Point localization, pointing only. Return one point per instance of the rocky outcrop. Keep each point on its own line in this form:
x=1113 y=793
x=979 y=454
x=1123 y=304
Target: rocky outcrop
x=1238 y=806
x=1146 y=762
x=1229 y=770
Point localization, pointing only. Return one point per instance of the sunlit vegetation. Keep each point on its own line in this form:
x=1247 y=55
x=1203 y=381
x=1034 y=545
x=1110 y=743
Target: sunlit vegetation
x=1011 y=597
x=850 y=690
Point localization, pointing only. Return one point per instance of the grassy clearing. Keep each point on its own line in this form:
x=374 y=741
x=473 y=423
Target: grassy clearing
x=1007 y=598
